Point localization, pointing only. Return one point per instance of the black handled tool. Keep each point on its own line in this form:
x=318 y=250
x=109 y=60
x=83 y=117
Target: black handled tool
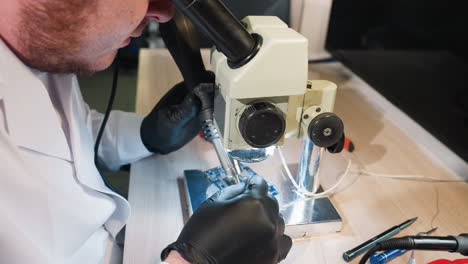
x=351 y=254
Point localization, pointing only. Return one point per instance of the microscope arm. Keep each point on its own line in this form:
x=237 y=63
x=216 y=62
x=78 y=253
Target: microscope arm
x=181 y=39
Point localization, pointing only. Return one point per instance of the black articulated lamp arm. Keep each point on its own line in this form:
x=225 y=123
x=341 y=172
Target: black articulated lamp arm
x=457 y=244
x=181 y=40
x=227 y=33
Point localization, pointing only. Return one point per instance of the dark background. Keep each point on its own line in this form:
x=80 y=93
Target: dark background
x=399 y=24
x=415 y=53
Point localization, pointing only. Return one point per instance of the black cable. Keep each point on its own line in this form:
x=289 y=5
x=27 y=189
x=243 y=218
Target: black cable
x=369 y=254
x=115 y=79
x=450 y=243
x=323 y=60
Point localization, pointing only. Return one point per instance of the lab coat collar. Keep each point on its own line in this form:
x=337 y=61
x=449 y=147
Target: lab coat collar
x=82 y=145
x=31 y=119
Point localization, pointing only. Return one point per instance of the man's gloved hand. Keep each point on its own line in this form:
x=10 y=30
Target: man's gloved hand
x=173 y=122
x=239 y=224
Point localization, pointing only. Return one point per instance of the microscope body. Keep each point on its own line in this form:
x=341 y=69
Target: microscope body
x=319 y=98
x=259 y=104
x=263 y=96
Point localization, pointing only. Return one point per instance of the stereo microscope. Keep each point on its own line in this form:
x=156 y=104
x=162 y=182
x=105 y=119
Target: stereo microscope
x=262 y=95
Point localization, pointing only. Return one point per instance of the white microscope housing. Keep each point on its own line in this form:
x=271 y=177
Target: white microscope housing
x=257 y=104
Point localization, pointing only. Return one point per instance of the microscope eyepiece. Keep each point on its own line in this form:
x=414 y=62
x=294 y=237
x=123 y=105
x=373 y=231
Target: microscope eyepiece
x=226 y=32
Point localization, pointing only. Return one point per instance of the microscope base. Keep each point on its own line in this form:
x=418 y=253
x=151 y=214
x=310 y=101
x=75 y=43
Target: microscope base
x=303 y=217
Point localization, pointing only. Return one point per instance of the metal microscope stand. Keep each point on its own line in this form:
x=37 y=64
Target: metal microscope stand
x=303 y=216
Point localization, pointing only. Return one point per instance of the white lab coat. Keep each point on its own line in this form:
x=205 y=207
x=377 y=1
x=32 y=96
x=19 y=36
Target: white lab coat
x=54 y=206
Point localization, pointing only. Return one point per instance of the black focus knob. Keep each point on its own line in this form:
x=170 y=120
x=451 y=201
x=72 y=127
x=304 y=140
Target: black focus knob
x=325 y=130
x=262 y=125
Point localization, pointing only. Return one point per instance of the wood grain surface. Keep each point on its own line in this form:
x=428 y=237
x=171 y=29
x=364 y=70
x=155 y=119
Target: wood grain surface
x=369 y=205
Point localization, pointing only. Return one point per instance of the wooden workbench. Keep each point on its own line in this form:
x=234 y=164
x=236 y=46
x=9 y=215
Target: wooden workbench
x=369 y=205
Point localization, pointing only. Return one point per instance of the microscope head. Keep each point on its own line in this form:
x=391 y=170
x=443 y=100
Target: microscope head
x=261 y=69
x=251 y=102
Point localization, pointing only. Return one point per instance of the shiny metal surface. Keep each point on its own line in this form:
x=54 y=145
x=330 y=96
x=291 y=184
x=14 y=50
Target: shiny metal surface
x=307 y=176
x=224 y=159
x=251 y=155
x=306 y=216
x=303 y=216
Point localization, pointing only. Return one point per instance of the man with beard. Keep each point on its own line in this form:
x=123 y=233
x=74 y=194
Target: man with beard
x=54 y=205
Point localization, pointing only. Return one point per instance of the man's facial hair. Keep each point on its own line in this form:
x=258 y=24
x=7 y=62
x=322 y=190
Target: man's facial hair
x=50 y=34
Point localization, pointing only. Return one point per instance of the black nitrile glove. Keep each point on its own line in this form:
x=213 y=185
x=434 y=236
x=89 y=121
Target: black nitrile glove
x=173 y=122
x=239 y=224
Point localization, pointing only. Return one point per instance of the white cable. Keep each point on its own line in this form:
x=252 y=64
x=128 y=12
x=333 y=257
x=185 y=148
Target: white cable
x=305 y=192
x=406 y=177
x=411 y=177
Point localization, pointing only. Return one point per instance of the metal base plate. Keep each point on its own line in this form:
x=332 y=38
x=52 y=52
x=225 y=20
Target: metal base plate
x=303 y=216
x=308 y=216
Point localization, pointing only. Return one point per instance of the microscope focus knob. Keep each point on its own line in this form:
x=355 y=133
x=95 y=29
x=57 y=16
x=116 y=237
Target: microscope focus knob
x=325 y=130
x=262 y=125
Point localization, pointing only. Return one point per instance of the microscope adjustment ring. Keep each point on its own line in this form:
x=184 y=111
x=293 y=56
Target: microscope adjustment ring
x=262 y=125
x=325 y=130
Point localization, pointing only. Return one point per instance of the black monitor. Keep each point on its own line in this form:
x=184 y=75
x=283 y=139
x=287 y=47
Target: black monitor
x=415 y=53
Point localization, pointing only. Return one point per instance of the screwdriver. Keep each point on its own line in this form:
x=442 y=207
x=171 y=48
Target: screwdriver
x=384 y=257
x=351 y=254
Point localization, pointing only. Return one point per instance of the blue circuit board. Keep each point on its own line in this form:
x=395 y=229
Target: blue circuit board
x=215 y=176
